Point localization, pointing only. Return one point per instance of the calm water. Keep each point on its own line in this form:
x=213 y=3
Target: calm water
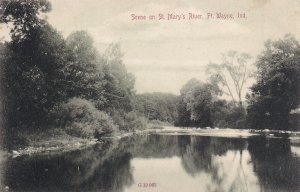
x=161 y=163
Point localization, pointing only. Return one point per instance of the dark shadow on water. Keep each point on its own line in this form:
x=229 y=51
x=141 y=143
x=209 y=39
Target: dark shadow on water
x=98 y=168
x=276 y=167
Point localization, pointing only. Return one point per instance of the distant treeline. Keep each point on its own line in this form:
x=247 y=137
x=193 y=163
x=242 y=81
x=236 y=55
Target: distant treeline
x=195 y=107
x=157 y=106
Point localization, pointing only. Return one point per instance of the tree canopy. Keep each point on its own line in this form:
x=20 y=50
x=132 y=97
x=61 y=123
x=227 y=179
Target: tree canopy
x=231 y=74
x=119 y=87
x=84 y=69
x=157 y=106
x=41 y=71
x=196 y=99
x=277 y=90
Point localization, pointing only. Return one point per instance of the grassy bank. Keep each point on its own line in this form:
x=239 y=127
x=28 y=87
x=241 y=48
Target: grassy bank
x=49 y=141
x=57 y=140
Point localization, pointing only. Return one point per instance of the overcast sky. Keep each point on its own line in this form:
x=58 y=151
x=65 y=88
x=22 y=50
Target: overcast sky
x=163 y=55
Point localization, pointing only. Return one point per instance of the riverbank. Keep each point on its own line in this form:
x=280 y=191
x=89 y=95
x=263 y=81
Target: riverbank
x=57 y=140
x=49 y=141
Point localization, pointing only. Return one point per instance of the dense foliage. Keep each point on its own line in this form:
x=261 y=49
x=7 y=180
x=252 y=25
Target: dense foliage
x=196 y=98
x=42 y=71
x=199 y=106
x=273 y=102
x=83 y=70
x=80 y=118
x=157 y=106
x=119 y=87
x=277 y=90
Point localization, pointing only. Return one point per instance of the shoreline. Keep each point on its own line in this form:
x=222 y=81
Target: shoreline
x=58 y=144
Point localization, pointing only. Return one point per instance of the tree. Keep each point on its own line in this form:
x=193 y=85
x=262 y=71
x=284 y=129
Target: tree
x=198 y=105
x=198 y=102
x=226 y=114
x=157 y=106
x=119 y=87
x=231 y=74
x=197 y=98
x=2 y=131
x=277 y=90
x=32 y=79
x=183 y=117
x=24 y=15
x=84 y=69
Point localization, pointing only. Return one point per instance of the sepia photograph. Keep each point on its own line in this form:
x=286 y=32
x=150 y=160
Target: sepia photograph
x=149 y=96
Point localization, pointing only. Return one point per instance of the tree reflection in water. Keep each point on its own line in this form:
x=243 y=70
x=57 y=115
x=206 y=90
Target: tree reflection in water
x=99 y=168
x=219 y=158
x=276 y=167
x=214 y=163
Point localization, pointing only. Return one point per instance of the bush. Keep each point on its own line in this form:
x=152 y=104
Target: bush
x=134 y=122
x=80 y=118
x=129 y=121
x=227 y=115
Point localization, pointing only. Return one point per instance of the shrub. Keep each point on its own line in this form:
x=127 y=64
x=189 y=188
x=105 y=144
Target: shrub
x=129 y=121
x=227 y=115
x=80 y=118
x=134 y=122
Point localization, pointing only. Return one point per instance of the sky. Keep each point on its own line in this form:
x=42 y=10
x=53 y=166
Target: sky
x=164 y=54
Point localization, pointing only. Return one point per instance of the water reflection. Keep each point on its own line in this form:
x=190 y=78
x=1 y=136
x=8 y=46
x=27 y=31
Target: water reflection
x=276 y=167
x=173 y=163
x=198 y=153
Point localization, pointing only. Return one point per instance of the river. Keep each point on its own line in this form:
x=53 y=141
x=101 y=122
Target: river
x=161 y=162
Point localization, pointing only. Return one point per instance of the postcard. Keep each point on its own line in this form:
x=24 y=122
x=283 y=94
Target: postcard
x=149 y=96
